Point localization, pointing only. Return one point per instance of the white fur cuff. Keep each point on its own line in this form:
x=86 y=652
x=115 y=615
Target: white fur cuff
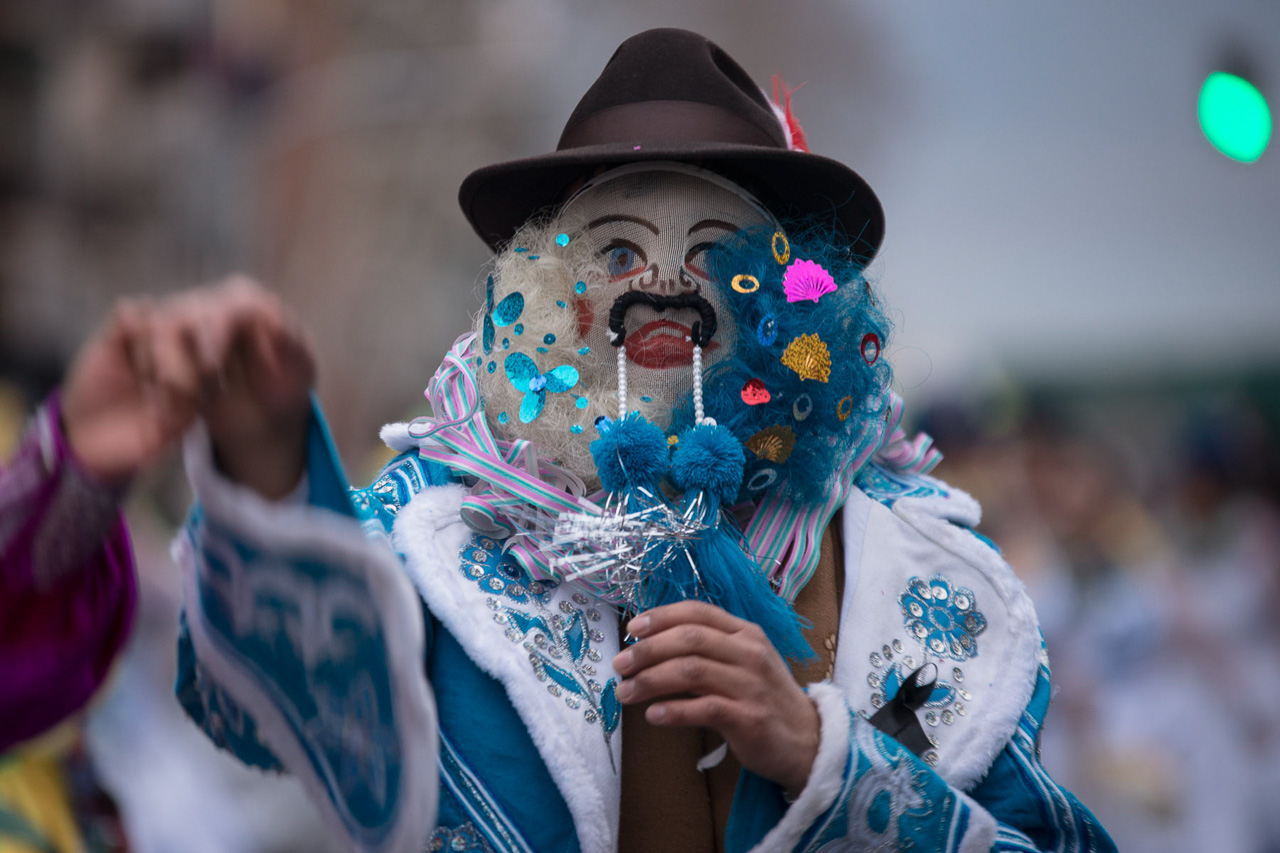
x=825 y=779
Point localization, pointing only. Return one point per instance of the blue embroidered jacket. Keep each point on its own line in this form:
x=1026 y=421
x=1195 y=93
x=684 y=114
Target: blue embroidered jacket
x=430 y=695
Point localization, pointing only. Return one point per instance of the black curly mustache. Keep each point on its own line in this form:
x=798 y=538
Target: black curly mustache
x=701 y=331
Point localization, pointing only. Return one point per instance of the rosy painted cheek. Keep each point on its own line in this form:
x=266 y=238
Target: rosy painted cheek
x=586 y=316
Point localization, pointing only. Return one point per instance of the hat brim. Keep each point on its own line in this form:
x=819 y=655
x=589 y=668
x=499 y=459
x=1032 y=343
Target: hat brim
x=498 y=199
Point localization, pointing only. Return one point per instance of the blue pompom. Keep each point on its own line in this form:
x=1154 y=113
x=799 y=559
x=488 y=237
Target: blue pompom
x=709 y=459
x=631 y=452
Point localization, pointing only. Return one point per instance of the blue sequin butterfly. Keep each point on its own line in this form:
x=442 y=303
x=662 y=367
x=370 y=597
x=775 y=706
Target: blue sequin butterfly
x=524 y=376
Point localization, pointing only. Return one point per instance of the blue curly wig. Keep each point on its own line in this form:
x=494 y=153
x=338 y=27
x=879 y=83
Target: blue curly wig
x=796 y=438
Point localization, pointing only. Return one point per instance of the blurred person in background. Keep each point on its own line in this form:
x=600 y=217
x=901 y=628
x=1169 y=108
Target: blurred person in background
x=303 y=642
x=1224 y=593
x=68 y=588
x=69 y=592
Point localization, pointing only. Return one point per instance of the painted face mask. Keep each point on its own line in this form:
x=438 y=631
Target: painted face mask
x=631 y=245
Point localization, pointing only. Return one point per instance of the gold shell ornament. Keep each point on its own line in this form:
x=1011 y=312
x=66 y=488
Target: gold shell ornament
x=809 y=357
x=774 y=443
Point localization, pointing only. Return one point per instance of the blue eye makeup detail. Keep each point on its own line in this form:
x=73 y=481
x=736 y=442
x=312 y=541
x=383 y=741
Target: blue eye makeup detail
x=623 y=258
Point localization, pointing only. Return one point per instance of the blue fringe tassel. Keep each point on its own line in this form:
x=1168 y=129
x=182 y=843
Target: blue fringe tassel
x=707 y=466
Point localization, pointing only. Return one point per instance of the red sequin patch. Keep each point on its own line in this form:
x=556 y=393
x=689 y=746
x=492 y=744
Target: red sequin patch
x=754 y=393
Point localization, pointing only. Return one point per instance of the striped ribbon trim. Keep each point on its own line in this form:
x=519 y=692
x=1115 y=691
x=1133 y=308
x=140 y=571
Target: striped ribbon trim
x=902 y=454
x=787 y=537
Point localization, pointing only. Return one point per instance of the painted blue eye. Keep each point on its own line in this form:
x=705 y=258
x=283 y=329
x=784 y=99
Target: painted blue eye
x=621 y=260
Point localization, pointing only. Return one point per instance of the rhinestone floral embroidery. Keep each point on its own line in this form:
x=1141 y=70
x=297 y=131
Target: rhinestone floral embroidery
x=945 y=620
x=557 y=639
x=890 y=667
x=484 y=563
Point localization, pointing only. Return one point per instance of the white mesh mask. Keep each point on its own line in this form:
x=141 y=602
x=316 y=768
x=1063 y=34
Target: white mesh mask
x=643 y=227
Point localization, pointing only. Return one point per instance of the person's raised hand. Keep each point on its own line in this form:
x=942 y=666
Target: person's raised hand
x=721 y=672
x=129 y=394
x=230 y=352
x=258 y=408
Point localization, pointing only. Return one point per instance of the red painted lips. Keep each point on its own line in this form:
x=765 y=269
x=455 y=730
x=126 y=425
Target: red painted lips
x=661 y=344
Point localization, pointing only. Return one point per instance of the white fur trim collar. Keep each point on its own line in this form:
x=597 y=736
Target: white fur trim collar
x=431 y=535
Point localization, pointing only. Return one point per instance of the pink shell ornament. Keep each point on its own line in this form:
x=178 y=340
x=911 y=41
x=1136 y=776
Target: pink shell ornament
x=754 y=393
x=806 y=280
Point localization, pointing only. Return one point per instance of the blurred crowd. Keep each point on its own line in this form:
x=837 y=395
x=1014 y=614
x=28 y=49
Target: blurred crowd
x=1146 y=524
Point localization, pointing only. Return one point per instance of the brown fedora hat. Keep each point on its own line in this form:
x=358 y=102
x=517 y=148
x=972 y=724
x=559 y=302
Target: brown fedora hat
x=670 y=94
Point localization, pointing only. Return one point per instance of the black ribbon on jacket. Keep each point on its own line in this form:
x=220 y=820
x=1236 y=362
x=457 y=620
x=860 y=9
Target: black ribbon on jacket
x=898 y=717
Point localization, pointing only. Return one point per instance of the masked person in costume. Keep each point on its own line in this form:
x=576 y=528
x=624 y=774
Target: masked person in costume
x=661 y=571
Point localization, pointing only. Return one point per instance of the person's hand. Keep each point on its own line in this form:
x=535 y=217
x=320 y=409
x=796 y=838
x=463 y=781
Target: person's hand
x=258 y=412
x=230 y=353
x=739 y=686
x=127 y=397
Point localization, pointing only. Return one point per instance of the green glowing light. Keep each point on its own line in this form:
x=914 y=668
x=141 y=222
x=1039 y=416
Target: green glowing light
x=1234 y=116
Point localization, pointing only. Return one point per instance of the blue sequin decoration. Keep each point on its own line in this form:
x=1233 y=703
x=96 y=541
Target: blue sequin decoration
x=459 y=839
x=767 y=330
x=575 y=429
x=548 y=338
x=524 y=375
x=493 y=365
x=583 y=350
x=560 y=643
x=503 y=417
x=506 y=343
x=646 y=399
x=533 y=257
x=487 y=333
x=519 y=329
x=583 y=402
x=543 y=349
x=562 y=240
x=580 y=287
x=509 y=309
x=522 y=249
x=561 y=303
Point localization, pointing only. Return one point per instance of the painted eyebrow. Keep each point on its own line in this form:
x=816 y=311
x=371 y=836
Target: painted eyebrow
x=713 y=223
x=622 y=217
